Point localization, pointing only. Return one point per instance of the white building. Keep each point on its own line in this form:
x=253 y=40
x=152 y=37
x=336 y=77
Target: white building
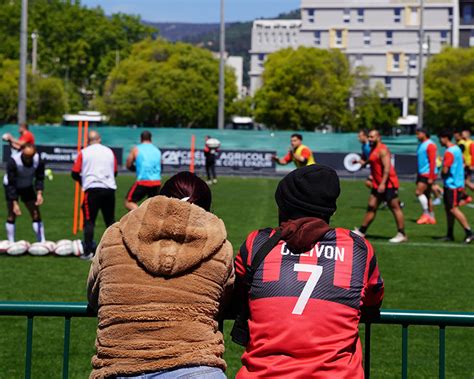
x=237 y=63
x=382 y=35
x=269 y=36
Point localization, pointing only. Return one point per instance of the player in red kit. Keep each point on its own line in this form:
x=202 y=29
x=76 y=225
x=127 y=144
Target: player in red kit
x=304 y=297
x=385 y=188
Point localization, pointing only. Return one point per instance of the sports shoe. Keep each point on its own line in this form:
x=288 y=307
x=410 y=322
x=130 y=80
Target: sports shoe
x=209 y=182
x=424 y=219
x=399 y=238
x=214 y=181
x=87 y=257
x=445 y=239
x=469 y=239
x=358 y=232
x=437 y=201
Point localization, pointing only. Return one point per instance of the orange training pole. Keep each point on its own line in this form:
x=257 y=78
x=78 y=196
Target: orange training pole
x=86 y=142
x=193 y=147
x=76 y=192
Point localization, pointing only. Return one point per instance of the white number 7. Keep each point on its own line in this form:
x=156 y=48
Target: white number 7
x=316 y=272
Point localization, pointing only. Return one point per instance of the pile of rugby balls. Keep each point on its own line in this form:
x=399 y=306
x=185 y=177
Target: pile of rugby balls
x=62 y=248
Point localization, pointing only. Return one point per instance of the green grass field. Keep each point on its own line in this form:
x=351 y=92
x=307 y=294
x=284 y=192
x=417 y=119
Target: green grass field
x=422 y=275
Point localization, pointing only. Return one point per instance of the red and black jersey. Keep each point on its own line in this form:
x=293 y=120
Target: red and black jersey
x=305 y=309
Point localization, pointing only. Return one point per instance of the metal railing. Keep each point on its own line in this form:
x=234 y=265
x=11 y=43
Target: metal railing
x=391 y=317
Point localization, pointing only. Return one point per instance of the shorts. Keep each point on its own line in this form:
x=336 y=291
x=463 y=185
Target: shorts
x=422 y=179
x=452 y=197
x=26 y=195
x=138 y=192
x=389 y=194
x=467 y=172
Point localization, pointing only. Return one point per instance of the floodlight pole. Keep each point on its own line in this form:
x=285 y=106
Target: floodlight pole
x=221 y=115
x=421 y=73
x=34 y=53
x=23 y=58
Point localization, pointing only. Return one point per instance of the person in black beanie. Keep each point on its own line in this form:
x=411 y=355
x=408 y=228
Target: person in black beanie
x=304 y=286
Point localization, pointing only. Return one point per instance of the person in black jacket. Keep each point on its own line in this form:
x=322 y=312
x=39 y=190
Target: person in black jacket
x=24 y=180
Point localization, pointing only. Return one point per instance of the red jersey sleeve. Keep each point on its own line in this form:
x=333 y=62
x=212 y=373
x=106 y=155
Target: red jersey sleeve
x=432 y=153
x=448 y=159
x=472 y=155
x=77 y=167
x=288 y=157
x=374 y=288
x=115 y=165
x=244 y=255
x=306 y=153
x=27 y=137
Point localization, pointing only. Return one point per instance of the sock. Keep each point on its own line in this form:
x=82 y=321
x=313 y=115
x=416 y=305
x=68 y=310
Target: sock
x=432 y=214
x=424 y=203
x=363 y=229
x=39 y=231
x=468 y=232
x=401 y=231
x=10 y=227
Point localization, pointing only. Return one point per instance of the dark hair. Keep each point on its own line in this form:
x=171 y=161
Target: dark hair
x=145 y=136
x=457 y=131
x=186 y=184
x=365 y=132
x=297 y=135
x=446 y=134
x=25 y=125
x=424 y=131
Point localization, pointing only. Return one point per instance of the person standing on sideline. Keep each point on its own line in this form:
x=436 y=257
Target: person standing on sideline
x=302 y=287
x=26 y=137
x=468 y=155
x=452 y=173
x=24 y=180
x=427 y=173
x=363 y=137
x=210 y=153
x=145 y=160
x=298 y=153
x=385 y=188
x=95 y=169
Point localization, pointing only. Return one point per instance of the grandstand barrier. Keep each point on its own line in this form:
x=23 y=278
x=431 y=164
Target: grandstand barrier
x=442 y=320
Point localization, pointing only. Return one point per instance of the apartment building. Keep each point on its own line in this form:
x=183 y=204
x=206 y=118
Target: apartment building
x=269 y=36
x=382 y=35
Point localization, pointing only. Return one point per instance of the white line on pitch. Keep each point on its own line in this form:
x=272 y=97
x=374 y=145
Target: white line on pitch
x=423 y=244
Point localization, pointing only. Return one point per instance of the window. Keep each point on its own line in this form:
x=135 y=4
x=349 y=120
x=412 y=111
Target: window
x=396 y=62
x=444 y=37
x=388 y=83
x=311 y=14
x=338 y=38
x=389 y=37
x=261 y=57
x=358 y=61
x=450 y=15
x=367 y=38
x=317 y=38
x=467 y=13
x=347 y=15
x=360 y=15
x=471 y=40
x=412 y=61
x=397 y=15
x=413 y=16
x=259 y=37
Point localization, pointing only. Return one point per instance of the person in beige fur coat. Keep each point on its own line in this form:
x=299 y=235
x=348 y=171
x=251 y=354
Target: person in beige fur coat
x=159 y=282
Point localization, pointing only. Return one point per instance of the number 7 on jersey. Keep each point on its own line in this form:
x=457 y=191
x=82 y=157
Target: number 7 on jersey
x=315 y=274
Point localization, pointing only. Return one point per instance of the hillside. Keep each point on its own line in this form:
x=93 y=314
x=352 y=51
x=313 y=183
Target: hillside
x=238 y=36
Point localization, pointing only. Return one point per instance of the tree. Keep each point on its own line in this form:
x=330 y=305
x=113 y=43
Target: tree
x=371 y=109
x=242 y=107
x=47 y=98
x=166 y=84
x=449 y=89
x=304 y=89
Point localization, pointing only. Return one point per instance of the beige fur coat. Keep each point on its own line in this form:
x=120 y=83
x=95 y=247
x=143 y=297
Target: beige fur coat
x=158 y=281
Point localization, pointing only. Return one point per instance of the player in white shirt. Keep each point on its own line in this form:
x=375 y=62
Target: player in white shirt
x=96 y=168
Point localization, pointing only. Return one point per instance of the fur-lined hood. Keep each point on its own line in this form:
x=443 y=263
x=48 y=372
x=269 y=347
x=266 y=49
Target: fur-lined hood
x=168 y=236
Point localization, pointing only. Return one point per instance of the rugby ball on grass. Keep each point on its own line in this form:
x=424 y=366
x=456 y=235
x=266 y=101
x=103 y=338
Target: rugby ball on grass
x=64 y=248
x=51 y=246
x=77 y=248
x=18 y=248
x=213 y=143
x=4 y=245
x=39 y=249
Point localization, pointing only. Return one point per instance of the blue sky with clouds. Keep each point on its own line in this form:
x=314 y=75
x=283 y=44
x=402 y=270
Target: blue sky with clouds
x=196 y=10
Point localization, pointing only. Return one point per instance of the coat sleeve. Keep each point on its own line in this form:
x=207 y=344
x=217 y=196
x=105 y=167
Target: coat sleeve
x=93 y=282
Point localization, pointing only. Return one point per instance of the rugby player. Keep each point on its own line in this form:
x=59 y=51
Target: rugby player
x=364 y=140
x=26 y=137
x=145 y=160
x=299 y=154
x=24 y=180
x=210 y=153
x=468 y=155
x=427 y=174
x=385 y=188
x=452 y=173
x=96 y=168
x=306 y=294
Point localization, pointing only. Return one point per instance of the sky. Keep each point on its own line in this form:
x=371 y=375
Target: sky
x=199 y=11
